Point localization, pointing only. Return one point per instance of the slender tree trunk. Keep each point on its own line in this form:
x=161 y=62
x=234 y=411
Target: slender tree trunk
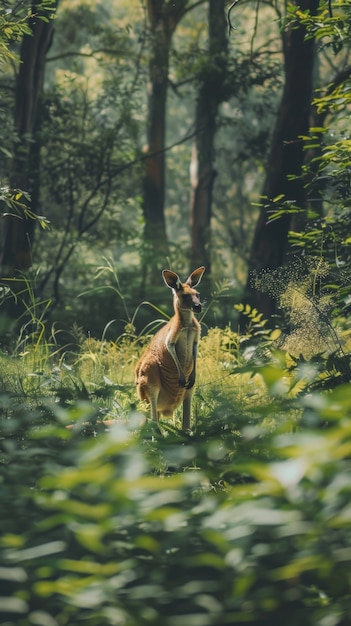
x=18 y=230
x=18 y=226
x=202 y=168
x=163 y=18
x=286 y=157
x=155 y=237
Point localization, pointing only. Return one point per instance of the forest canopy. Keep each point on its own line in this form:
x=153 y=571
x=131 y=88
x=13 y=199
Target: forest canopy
x=156 y=134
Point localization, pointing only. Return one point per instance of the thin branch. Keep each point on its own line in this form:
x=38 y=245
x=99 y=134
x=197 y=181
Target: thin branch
x=340 y=78
x=76 y=53
x=143 y=157
x=255 y=29
x=230 y=25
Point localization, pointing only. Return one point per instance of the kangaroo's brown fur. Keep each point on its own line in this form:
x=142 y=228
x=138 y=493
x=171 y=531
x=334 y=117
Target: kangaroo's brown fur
x=166 y=372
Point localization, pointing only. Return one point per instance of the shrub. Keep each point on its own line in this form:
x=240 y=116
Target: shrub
x=250 y=524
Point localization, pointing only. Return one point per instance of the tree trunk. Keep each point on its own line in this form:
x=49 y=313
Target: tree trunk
x=18 y=228
x=286 y=158
x=154 y=180
x=163 y=18
x=202 y=169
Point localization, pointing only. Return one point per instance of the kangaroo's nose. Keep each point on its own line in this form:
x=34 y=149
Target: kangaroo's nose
x=197 y=307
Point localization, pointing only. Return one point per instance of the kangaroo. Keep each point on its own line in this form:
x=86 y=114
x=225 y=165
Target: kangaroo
x=166 y=372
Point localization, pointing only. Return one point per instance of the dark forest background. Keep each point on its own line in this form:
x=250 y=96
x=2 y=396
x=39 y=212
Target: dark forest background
x=143 y=135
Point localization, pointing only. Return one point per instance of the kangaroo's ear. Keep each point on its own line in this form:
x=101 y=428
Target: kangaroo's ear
x=171 y=279
x=195 y=276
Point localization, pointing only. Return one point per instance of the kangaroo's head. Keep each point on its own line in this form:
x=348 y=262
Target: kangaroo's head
x=185 y=296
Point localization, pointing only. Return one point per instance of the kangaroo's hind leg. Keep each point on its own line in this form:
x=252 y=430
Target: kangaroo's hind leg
x=149 y=387
x=154 y=392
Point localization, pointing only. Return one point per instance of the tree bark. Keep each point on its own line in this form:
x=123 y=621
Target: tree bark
x=18 y=228
x=202 y=168
x=286 y=158
x=163 y=18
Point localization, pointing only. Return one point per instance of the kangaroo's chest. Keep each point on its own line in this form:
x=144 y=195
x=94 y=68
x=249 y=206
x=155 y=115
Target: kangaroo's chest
x=184 y=344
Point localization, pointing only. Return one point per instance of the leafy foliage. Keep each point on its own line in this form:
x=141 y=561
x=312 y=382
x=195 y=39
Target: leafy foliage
x=13 y=26
x=245 y=521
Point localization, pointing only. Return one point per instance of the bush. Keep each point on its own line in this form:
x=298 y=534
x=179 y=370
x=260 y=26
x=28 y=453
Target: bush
x=249 y=524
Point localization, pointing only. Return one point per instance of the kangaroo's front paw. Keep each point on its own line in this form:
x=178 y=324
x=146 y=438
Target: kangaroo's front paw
x=190 y=383
x=182 y=382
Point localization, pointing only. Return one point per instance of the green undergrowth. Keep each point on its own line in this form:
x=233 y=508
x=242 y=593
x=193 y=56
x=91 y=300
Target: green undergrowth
x=244 y=520
x=108 y=520
x=240 y=371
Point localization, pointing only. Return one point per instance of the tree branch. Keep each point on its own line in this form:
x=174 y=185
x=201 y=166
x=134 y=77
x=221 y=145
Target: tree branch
x=64 y=55
x=340 y=78
x=230 y=25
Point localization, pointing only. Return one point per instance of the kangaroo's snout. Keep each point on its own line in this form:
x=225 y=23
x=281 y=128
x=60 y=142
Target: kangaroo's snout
x=197 y=306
